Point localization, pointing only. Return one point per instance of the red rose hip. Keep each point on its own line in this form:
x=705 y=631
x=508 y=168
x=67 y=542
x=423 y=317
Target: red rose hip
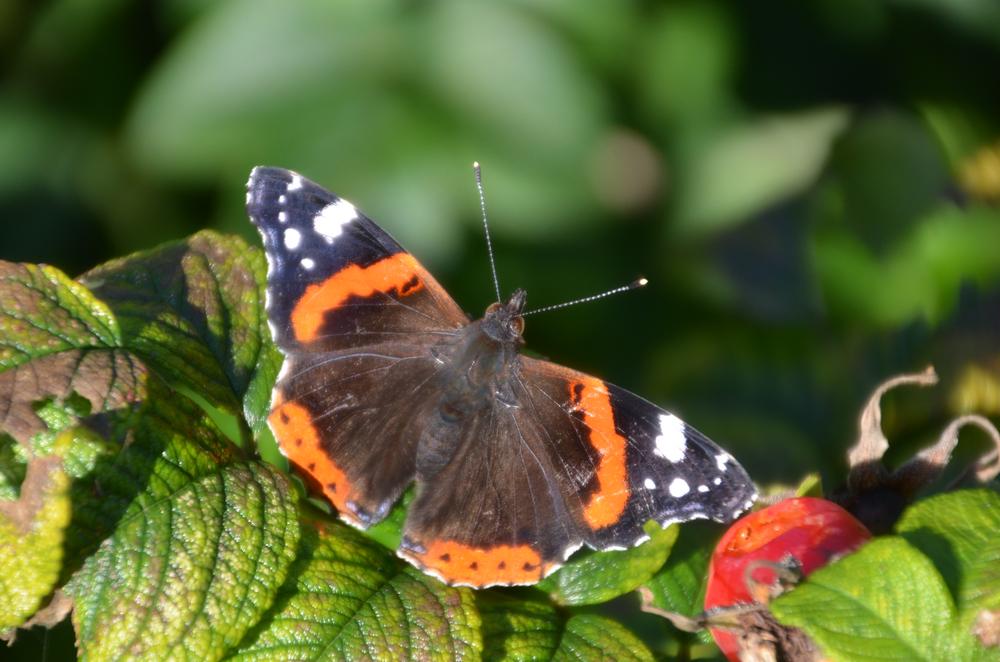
x=809 y=530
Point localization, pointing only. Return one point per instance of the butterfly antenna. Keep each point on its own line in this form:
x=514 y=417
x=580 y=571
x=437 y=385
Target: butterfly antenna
x=640 y=282
x=486 y=227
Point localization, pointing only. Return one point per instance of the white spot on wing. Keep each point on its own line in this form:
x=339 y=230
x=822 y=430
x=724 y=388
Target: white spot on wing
x=703 y=488
x=286 y=366
x=721 y=459
x=671 y=444
x=649 y=484
x=296 y=183
x=249 y=184
x=678 y=488
x=307 y=263
x=717 y=481
x=569 y=551
x=292 y=238
x=282 y=199
x=330 y=221
x=282 y=217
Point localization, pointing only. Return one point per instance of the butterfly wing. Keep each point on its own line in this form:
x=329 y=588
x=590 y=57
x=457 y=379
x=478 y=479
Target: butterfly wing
x=495 y=514
x=335 y=279
x=645 y=463
x=564 y=460
x=357 y=318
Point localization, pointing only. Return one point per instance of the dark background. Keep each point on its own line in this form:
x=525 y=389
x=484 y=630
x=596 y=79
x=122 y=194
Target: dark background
x=811 y=188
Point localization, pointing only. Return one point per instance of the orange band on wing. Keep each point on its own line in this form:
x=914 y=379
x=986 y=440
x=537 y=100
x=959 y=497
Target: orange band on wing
x=293 y=428
x=607 y=503
x=479 y=566
x=398 y=272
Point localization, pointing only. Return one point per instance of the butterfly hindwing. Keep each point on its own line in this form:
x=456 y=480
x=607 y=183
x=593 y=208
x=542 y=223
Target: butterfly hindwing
x=346 y=424
x=494 y=513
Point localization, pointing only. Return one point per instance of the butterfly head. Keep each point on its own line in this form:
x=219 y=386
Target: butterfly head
x=503 y=322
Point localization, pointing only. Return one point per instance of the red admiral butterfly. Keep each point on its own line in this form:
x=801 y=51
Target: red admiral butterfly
x=518 y=462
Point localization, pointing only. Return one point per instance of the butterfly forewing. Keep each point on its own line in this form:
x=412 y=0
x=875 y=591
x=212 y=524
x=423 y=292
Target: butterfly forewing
x=335 y=279
x=355 y=316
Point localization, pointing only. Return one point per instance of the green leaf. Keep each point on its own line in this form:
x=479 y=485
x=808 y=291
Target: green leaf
x=83 y=453
x=194 y=311
x=756 y=165
x=920 y=272
x=349 y=598
x=885 y=602
x=600 y=576
x=188 y=572
x=518 y=629
x=195 y=542
x=56 y=339
x=44 y=312
x=163 y=445
x=679 y=586
x=529 y=629
x=960 y=532
x=593 y=637
x=12 y=467
x=515 y=630
x=32 y=530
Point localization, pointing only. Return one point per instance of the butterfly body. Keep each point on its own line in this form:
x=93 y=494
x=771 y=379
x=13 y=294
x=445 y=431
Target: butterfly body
x=517 y=461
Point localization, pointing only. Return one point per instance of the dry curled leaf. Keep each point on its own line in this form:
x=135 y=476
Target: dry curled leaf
x=877 y=496
x=927 y=465
x=865 y=457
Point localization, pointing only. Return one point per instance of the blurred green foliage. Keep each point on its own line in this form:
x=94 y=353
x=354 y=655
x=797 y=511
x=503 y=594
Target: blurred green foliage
x=807 y=185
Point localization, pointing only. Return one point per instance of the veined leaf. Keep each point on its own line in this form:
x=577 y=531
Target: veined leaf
x=593 y=637
x=600 y=576
x=56 y=339
x=193 y=310
x=535 y=630
x=885 y=602
x=186 y=575
x=349 y=598
x=32 y=529
x=960 y=532
x=196 y=541
x=518 y=629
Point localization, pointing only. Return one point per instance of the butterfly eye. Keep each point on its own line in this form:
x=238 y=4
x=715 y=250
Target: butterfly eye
x=518 y=325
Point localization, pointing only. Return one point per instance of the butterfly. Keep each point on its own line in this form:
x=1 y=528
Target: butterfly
x=518 y=462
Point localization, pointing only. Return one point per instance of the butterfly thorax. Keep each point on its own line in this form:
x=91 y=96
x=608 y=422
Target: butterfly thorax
x=481 y=365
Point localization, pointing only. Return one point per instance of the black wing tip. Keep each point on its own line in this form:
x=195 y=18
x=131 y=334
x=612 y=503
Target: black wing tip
x=261 y=176
x=260 y=172
x=268 y=186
